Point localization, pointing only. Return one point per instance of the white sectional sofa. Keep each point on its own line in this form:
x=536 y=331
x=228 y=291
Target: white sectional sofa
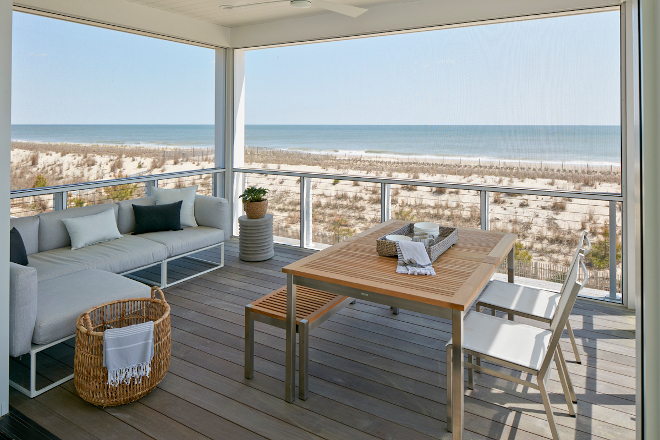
x=59 y=284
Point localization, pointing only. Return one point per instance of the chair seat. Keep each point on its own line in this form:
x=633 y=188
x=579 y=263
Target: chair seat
x=534 y=302
x=510 y=341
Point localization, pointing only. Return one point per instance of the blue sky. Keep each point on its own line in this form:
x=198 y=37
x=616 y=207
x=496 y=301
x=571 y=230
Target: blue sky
x=68 y=73
x=554 y=71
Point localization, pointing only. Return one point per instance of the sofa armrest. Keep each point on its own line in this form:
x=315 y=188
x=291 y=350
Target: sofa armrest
x=213 y=212
x=22 y=307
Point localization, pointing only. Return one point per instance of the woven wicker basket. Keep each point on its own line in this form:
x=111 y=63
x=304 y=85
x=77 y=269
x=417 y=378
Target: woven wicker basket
x=91 y=377
x=447 y=237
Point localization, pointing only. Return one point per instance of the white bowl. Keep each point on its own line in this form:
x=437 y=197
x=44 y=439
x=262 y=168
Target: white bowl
x=427 y=226
x=398 y=238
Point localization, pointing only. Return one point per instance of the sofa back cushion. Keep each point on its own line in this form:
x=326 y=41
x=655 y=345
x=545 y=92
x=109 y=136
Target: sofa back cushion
x=53 y=233
x=126 y=217
x=28 y=227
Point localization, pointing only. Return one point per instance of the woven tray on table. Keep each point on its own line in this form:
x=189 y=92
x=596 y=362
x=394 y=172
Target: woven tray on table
x=447 y=237
x=91 y=377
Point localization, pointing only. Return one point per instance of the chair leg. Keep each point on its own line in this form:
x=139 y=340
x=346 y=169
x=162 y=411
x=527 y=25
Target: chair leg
x=249 y=343
x=568 y=376
x=575 y=348
x=353 y=302
x=449 y=390
x=395 y=310
x=548 y=408
x=564 y=385
x=303 y=359
x=470 y=373
x=510 y=316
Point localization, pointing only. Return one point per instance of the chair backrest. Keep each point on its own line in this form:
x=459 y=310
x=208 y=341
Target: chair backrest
x=565 y=307
x=581 y=250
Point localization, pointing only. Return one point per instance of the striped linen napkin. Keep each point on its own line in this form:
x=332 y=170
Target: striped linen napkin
x=127 y=353
x=413 y=259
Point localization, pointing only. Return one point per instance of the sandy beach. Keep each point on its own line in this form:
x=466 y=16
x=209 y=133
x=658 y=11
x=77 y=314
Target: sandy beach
x=546 y=226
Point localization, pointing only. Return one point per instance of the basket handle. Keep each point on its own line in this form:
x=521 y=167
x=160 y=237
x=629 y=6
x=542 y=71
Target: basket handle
x=88 y=322
x=155 y=289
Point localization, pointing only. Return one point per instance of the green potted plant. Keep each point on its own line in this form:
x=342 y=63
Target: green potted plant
x=254 y=202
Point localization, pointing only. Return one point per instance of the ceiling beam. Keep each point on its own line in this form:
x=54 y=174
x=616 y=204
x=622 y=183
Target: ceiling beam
x=131 y=17
x=415 y=14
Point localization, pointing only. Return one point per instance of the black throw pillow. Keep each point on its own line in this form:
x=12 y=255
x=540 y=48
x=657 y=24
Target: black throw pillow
x=157 y=218
x=17 y=252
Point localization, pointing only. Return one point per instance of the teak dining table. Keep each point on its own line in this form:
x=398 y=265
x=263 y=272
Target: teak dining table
x=353 y=268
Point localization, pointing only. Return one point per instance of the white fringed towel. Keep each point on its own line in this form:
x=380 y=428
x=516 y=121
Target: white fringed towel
x=413 y=259
x=127 y=353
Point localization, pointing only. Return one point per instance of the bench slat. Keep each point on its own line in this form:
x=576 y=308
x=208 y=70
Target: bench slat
x=311 y=304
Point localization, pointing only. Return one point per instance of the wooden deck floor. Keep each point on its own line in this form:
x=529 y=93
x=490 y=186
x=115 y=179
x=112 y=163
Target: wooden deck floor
x=372 y=375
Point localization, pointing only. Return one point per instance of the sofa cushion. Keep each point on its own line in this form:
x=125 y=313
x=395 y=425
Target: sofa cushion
x=121 y=255
x=29 y=229
x=186 y=240
x=63 y=299
x=214 y=213
x=126 y=218
x=22 y=308
x=53 y=233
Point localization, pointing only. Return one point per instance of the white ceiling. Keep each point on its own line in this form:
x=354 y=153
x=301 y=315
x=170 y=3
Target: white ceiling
x=212 y=12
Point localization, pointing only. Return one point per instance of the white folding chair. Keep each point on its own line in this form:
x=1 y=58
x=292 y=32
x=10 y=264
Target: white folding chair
x=520 y=347
x=530 y=302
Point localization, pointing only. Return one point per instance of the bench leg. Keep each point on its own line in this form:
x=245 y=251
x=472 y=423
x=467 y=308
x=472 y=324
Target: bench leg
x=303 y=359
x=450 y=424
x=395 y=310
x=249 y=343
x=353 y=302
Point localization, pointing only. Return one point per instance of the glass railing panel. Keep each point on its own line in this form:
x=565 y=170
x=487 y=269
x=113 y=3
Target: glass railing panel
x=204 y=183
x=33 y=205
x=447 y=207
x=107 y=194
x=283 y=204
x=342 y=208
x=548 y=230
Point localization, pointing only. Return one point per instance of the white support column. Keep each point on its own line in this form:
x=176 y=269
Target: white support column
x=5 y=159
x=220 y=120
x=238 y=131
x=649 y=336
x=631 y=156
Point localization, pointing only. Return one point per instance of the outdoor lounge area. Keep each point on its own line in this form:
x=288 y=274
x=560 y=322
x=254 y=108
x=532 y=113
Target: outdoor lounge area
x=372 y=374
x=341 y=219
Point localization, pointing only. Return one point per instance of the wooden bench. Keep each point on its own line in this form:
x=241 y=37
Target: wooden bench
x=313 y=307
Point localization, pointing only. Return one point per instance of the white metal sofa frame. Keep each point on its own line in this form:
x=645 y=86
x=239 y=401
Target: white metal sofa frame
x=511 y=309
x=33 y=392
x=163 y=266
x=553 y=350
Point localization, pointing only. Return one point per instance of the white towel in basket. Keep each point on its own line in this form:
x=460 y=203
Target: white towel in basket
x=127 y=352
x=413 y=259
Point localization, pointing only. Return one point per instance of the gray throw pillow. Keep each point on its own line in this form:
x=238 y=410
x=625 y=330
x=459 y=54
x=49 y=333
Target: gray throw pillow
x=92 y=229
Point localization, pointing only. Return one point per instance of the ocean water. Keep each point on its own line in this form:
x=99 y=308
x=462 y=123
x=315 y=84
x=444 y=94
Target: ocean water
x=555 y=143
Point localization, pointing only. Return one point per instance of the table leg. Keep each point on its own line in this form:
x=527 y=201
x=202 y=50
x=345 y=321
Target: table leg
x=290 y=374
x=511 y=264
x=457 y=377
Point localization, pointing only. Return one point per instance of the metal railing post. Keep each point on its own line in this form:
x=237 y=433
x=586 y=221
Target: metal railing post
x=305 y=212
x=385 y=202
x=613 y=250
x=149 y=187
x=60 y=200
x=485 y=210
